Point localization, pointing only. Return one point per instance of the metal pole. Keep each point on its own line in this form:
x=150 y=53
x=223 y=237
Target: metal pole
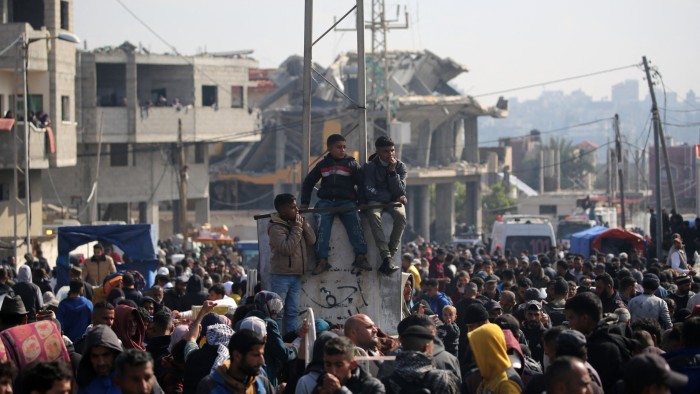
x=362 y=80
x=618 y=151
x=183 y=183
x=28 y=199
x=657 y=164
x=306 y=119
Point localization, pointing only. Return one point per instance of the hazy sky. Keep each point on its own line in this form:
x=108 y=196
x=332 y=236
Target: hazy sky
x=505 y=44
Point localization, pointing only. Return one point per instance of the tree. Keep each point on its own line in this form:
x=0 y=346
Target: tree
x=495 y=203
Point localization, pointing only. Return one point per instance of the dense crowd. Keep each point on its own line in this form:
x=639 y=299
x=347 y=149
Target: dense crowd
x=470 y=323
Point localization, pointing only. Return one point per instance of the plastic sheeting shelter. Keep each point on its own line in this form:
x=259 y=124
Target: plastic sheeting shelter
x=138 y=241
x=581 y=241
x=617 y=240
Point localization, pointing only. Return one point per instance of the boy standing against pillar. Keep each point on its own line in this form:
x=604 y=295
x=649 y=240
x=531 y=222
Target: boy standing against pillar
x=340 y=175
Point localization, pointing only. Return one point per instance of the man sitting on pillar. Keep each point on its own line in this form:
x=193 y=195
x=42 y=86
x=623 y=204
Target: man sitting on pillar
x=384 y=183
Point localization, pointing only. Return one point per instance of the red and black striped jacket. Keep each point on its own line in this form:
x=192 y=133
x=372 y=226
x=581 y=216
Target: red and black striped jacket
x=340 y=180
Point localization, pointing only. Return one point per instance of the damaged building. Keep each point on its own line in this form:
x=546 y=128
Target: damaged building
x=435 y=129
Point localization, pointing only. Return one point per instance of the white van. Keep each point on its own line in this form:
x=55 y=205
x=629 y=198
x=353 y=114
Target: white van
x=533 y=233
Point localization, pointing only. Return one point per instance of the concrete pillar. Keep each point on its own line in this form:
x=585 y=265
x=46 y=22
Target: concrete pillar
x=444 y=144
x=422 y=211
x=201 y=210
x=425 y=133
x=149 y=212
x=471 y=140
x=412 y=195
x=473 y=204
x=445 y=215
x=131 y=92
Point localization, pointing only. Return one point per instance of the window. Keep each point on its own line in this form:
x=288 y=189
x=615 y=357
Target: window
x=209 y=96
x=236 y=96
x=548 y=209
x=4 y=192
x=65 y=108
x=119 y=155
x=35 y=105
x=199 y=153
x=65 y=21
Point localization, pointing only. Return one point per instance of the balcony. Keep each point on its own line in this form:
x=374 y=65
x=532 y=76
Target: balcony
x=160 y=124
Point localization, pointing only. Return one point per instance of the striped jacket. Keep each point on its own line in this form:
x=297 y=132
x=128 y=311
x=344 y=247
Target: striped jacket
x=339 y=178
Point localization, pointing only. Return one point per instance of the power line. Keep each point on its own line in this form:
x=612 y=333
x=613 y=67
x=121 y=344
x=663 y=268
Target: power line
x=636 y=65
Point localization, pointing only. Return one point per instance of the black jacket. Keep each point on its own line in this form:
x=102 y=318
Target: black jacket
x=195 y=294
x=608 y=351
x=338 y=180
x=381 y=185
x=360 y=382
x=198 y=366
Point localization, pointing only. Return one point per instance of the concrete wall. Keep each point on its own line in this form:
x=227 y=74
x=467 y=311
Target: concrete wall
x=337 y=294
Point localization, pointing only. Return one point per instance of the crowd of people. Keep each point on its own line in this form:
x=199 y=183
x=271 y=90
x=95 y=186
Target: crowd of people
x=469 y=322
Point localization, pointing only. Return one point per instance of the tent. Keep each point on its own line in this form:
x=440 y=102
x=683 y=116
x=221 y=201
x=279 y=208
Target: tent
x=581 y=241
x=618 y=240
x=138 y=241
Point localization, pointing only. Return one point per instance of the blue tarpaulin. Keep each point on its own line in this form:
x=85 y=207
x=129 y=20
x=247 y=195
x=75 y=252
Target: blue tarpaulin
x=138 y=241
x=581 y=241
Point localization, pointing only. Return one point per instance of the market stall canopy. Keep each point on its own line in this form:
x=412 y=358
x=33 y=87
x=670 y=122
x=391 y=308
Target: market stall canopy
x=581 y=241
x=618 y=240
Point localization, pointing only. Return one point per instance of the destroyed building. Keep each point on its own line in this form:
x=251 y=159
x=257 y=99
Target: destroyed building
x=435 y=129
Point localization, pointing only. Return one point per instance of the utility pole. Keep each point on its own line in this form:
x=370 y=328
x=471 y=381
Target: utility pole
x=658 y=128
x=618 y=152
x=306 y=117
x=657 y=163
x=183 y=182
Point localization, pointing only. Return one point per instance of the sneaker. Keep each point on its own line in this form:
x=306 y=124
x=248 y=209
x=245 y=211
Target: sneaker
x=387 y=268
x=362 y=263
x=321 y=267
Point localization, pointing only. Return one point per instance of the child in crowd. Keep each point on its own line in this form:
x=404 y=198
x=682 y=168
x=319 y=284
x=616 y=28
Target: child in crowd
x=340 y=177
x=448 y=332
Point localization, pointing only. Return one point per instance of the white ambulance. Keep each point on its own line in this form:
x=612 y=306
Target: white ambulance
x=533 y=233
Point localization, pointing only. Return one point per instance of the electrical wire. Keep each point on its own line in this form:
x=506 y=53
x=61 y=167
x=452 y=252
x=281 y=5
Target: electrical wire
x=535 y=85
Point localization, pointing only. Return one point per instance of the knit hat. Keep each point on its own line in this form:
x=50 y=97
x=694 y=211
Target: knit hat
x=475 y=313
x=417 y=331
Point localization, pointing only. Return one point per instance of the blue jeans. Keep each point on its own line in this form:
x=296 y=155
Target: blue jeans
x=288 y=287
x=351 y=221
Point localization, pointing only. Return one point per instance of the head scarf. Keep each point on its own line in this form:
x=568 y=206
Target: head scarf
x=268 y=303
x=122 y=323
x=178 y=333
x=24 y=275
x=219 y=335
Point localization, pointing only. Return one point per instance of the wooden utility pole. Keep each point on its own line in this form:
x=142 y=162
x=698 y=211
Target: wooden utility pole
x=183 y=182
x=657 y=163
x=618 y=152
x=658 y=128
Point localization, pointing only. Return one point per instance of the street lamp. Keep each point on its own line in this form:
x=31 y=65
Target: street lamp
x=26 y=41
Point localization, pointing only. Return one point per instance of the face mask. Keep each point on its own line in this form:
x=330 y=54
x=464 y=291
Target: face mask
x=461 y=289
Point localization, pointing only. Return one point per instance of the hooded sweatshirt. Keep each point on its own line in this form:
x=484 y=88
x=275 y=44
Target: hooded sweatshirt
x=75 y=314
x=88 y=380
x=123 y=324
x=488 y=345
x=28 y=291
x=307 y=383
x=194 y=295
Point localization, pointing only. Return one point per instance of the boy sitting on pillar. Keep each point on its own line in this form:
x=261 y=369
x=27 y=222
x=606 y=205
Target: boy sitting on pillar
x=340 y=175
x=384 y=183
